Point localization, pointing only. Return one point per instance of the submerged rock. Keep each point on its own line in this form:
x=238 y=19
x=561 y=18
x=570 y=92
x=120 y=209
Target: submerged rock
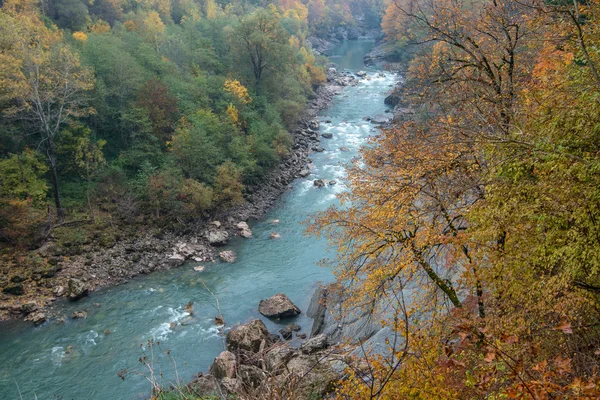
x=278 y=306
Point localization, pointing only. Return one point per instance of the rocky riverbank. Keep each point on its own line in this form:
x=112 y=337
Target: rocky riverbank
x=256 y=363
x=111 y=260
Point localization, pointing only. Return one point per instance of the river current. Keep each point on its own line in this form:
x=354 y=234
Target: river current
x=80 y=359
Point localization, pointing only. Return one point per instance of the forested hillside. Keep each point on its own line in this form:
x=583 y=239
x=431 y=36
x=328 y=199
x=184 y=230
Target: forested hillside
x=152 y=111
x=472 y=226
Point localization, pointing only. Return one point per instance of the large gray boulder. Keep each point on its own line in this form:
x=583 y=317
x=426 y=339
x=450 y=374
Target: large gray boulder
x=248 y=337
x=217 y=237
x=278 y=306
x=76 y=289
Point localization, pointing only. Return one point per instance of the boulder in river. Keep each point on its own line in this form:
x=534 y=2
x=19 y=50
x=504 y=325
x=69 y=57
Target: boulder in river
x=278 y=306
x=361 y=74
x=319 y=183
x=327 y=135
x=76 y=289
x=248 y=337
x=274 y=235
x=304 y=173
x=228 y=256
x=318 y=149
x=217 y=237
x=344 y=148
x=79 y=315
x=332 y=183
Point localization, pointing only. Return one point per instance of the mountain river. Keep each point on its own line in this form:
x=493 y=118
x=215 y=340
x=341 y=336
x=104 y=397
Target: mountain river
x=80 y=359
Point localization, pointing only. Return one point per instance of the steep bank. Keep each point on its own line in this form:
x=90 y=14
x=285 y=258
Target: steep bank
x=115 y=259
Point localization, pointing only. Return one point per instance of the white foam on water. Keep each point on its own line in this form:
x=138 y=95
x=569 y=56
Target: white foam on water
x=57 y=355
x=162 y=332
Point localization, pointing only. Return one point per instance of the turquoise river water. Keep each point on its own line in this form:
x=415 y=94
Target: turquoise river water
x=76 y=360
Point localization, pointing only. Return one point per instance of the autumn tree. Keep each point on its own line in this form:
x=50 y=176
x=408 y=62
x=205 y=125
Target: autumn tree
x=260 y=42
x=43 y=80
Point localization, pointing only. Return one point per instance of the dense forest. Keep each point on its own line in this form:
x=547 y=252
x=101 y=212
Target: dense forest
x=472 y=225
x=146 y=111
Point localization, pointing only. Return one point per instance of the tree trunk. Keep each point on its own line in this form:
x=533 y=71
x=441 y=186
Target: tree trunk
x=52 y=161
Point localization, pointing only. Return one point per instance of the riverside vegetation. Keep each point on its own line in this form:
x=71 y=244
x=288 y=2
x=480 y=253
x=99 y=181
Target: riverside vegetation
x=127 y=118
x=471 y=226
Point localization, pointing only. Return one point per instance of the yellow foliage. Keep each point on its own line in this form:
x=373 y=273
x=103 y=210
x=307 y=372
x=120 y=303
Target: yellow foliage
x=80 y=36
x=236 y=88
x=233 y=114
